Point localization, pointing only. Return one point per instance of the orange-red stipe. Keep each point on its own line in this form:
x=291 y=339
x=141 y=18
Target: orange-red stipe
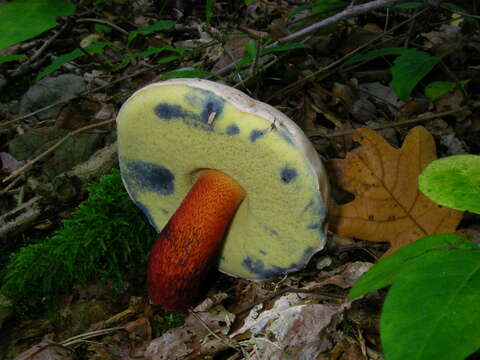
x=190 y=242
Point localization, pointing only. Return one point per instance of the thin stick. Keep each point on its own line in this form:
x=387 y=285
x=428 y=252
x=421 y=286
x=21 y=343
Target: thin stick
x=394 y=124
x=343 y=58
x=67 y=100
x=55 y=146
x=104 y=22
x=82 y=337
x=23 y=68
x=348 y=12
x=213 y=333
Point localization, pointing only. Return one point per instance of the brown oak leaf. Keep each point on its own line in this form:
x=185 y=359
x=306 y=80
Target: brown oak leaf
x=388 y=205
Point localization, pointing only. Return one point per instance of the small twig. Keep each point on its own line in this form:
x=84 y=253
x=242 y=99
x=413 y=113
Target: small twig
x=394 y=124
x=213 y=333
x=24 y=66
x=52 y=148
x=67 y=100
x=343 y=58
x=103 y=22
x=348 y=12
x=82 y=337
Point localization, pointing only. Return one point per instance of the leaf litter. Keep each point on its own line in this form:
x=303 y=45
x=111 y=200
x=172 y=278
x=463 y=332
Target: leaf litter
x=303 y=314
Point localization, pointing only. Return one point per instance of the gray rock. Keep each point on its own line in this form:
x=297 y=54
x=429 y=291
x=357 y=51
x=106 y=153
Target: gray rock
x=51 y=90
x=73 y=151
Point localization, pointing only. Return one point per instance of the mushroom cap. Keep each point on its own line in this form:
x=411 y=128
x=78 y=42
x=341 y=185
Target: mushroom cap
x=169 y=131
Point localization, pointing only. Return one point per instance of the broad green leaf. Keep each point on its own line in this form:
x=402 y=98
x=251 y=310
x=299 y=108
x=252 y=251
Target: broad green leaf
x=453 y=182
x=24 y=19
x=286 y=47
x=409 y=5
x=75 y=54
x=193 y=73
x=431 y=311
x=436 y=89
x=148 y=29
x=10 y=58
x=409 y=69
x=386 y=271
x=373 y=54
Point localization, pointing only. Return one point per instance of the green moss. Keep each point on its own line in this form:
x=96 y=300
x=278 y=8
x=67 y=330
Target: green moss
x=107 y=238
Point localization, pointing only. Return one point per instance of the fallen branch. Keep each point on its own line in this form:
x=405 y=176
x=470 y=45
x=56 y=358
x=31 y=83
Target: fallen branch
x=348 y=12
x=17 y=172
x=395 y=124
x=25 y=215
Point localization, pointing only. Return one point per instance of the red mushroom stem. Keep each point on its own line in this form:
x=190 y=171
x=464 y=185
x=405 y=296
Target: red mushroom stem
x=190 y=242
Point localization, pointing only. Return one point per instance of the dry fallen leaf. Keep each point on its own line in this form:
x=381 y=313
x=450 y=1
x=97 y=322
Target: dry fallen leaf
x=388 y=205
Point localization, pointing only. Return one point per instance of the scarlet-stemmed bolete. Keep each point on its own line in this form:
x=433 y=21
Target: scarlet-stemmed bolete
x=227 y=181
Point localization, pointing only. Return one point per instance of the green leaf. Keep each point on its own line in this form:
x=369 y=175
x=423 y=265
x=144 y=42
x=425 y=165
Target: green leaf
x=193 y=73
x=408 y=5
x=436 y=89
x=431 y=311
x=326 y=8
x=209 y=11
x=10 y=58
x=24 y=19
x=453 y=181
x=251 y=49
x=461 y=11
x=373 y=54
x=298 y=10
x=75 y=54
x=409 y=69
x=148 y=29
x=286 y=47
x=386 y=271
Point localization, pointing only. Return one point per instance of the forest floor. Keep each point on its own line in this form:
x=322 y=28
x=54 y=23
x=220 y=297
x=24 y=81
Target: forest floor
x=331 y=66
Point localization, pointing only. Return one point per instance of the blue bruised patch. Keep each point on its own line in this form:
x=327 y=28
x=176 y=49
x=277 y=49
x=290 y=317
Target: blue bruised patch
x=140 y=175
x=307 y=255
x=314 y=226
x=255 y=134
x=145 y=211
x=257 y=267
x=309 y=205
x=288 y=174
x=232 y=129
x=168 y=112
x=319 y=209
x=208 y=101
x=287 y=137
x=213 y=104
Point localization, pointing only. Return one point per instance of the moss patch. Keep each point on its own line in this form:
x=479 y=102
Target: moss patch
x=107 y=238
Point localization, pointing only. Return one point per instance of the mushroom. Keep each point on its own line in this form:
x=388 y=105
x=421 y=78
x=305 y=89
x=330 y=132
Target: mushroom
x=227 y=181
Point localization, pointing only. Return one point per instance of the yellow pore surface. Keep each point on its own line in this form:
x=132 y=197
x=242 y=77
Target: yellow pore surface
x=167 y=134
